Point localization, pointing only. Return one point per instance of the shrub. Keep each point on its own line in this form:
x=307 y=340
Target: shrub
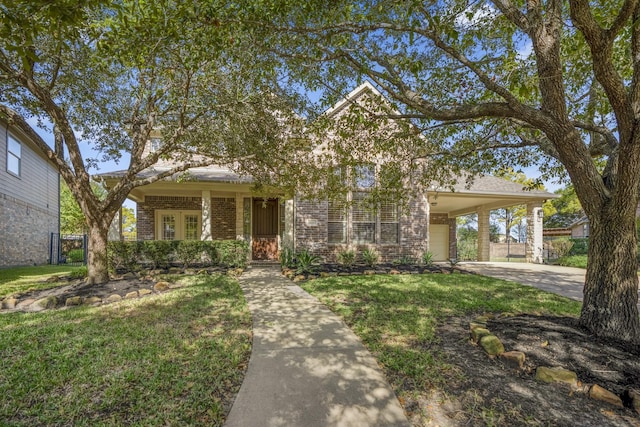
x=306 y=263
x=561 y=247
x=232 y=253
x=75 y=255
x=287 y=258
x=346 y=258
x=580 y=246
x=124 y=255
x=404 y=260
x=189 y=251
x=158 y=252
x=427 y=258
x=210 y=248
x=370 y=257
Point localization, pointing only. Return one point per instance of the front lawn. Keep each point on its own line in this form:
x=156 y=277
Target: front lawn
x=397 y=317
x=19 y=280
x=177 y=358
x=579 y=261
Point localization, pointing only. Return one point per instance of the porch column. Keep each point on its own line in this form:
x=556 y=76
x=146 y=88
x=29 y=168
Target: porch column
x=239 y=216
x=453 y=238
x=287 y=241
x=534 y=233
x=206 y=215
x=483 y=235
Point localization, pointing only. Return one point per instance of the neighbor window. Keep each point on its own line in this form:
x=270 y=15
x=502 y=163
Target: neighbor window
x=14 y=156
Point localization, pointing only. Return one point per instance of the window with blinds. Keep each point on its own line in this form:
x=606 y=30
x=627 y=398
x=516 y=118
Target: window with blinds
x=363 y=220
x=337 y=222
x=389 y=224
x=360 y=221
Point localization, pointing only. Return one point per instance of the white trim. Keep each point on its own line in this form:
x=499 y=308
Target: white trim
x=180 y=216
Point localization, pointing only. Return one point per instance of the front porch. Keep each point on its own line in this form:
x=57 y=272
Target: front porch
x=170 y=210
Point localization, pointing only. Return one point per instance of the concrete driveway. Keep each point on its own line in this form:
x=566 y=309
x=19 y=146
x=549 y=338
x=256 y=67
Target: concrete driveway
x=565 y=281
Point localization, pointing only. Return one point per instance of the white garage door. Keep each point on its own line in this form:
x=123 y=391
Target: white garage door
x=439 y=241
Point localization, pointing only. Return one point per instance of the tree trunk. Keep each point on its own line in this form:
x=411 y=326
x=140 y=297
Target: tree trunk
x=611 y=287
x=97 y=266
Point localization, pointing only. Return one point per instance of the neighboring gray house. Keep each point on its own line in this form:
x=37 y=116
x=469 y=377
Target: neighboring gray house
x=29 y=200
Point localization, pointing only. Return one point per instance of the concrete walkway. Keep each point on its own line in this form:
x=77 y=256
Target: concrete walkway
x=307 y=368
x=565 y=281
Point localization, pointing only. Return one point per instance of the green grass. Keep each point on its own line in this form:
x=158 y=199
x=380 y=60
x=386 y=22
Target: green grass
x=396 y=316
x=579 y=261
x=19 y=280
x=170 y=359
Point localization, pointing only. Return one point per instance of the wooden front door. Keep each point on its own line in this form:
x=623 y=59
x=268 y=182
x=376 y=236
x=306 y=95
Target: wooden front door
x=265 y=229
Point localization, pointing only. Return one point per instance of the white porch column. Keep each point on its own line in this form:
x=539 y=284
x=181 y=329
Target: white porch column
x=115 y=229
x=206 y=215
x=483 y=235
x=288 y=240
x=534 y=233
x=239 y=216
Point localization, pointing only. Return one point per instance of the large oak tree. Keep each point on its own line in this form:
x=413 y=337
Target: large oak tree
x=109 y=74
x=503 y=83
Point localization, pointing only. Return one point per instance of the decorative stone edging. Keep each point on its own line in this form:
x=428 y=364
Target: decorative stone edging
x=50 y=302
x=480 y=335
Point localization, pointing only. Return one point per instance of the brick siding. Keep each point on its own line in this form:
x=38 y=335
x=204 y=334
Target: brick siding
x=223 y=218
x=145 y=212
x=311 y=233
x=223 y=214
x=25 y=232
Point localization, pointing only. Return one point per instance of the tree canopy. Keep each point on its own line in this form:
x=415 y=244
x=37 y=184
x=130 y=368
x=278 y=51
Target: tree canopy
x=499 y=83
x=110 y=74
x=563 y=211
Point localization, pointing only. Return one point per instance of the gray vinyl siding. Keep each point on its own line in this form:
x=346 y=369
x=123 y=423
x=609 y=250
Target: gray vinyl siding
x=38 y=181
x=29 y=204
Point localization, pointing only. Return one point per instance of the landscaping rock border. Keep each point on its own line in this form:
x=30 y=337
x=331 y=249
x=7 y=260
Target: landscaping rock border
x=75 y=292
x=479 y=334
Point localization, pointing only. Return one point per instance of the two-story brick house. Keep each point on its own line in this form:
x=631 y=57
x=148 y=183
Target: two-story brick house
x=29 y=200
x=218 y=204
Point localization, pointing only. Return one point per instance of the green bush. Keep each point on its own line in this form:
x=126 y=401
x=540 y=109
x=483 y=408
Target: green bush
x=404 y=260
x=427 y=259
x=232 y=253
x=561 y=247
x=159 y=252
x=287 y=258
x=75 y=255
x=580 y=246
x=307 y=263
x=189 y=251
x=124 y=255
x=210 y=248
x=346 y=258
x=370 y=257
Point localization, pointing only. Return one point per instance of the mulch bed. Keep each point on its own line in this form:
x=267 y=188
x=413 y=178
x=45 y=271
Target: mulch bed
x=491 y=392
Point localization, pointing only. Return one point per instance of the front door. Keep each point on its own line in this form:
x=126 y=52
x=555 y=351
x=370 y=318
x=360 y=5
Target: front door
x=265 y=229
